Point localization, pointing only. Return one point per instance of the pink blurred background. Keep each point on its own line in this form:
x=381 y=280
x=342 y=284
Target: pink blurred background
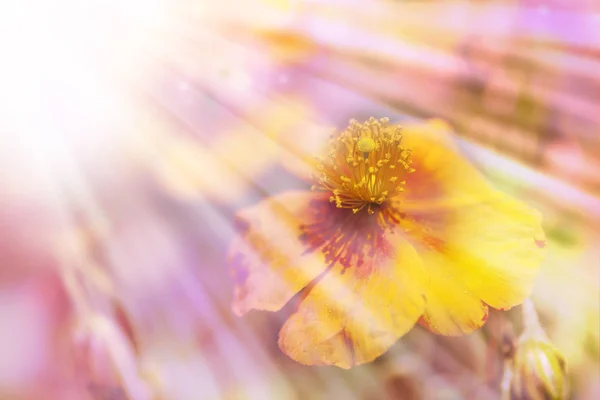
x=131 y=132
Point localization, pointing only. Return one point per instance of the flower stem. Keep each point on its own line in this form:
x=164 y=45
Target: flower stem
x=531 y=321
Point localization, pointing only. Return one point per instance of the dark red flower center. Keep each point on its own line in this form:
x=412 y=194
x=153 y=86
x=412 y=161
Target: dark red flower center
x=351 y=239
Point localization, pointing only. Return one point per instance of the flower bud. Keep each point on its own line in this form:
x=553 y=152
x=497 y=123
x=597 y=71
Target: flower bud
x=538 y=370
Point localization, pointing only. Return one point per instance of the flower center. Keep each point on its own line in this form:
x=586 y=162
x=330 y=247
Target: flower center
x=364 y=168
x=351 y=240
x=365 y=165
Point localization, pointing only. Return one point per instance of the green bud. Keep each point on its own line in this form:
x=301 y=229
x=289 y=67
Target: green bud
x=537 y=369
x=538 y=372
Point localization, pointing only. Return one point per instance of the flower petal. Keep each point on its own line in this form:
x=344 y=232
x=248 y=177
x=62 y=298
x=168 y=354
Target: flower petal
x=442 y=175
x=451 y=309
x=270 y=263
x=492 y=249
x=477 y=244
x=498 y=247
x=353 y=317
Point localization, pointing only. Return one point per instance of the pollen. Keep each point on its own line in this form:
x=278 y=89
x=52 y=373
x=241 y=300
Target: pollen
x=365 y=165
x=365 y=144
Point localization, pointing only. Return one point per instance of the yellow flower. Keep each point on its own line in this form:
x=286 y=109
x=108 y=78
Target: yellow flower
x=399 y=229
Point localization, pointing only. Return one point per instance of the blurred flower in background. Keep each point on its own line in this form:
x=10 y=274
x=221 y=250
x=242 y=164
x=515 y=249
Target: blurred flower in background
x=131 y=133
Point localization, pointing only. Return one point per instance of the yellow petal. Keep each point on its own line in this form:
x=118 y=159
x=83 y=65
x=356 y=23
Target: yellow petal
x=442 y=175
x=270 y=263
x=488 y=252
x=451 y=309
x=492 y=250
x=353 y=317
x=498 y=247
x=476 y=243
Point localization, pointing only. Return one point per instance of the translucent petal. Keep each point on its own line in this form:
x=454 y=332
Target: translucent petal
x=353 y=317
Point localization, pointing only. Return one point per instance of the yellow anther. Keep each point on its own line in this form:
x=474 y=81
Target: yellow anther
x=356 y=169
x=365 y=145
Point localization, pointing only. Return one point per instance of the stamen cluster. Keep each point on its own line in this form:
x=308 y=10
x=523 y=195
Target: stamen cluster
x=365 y=165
